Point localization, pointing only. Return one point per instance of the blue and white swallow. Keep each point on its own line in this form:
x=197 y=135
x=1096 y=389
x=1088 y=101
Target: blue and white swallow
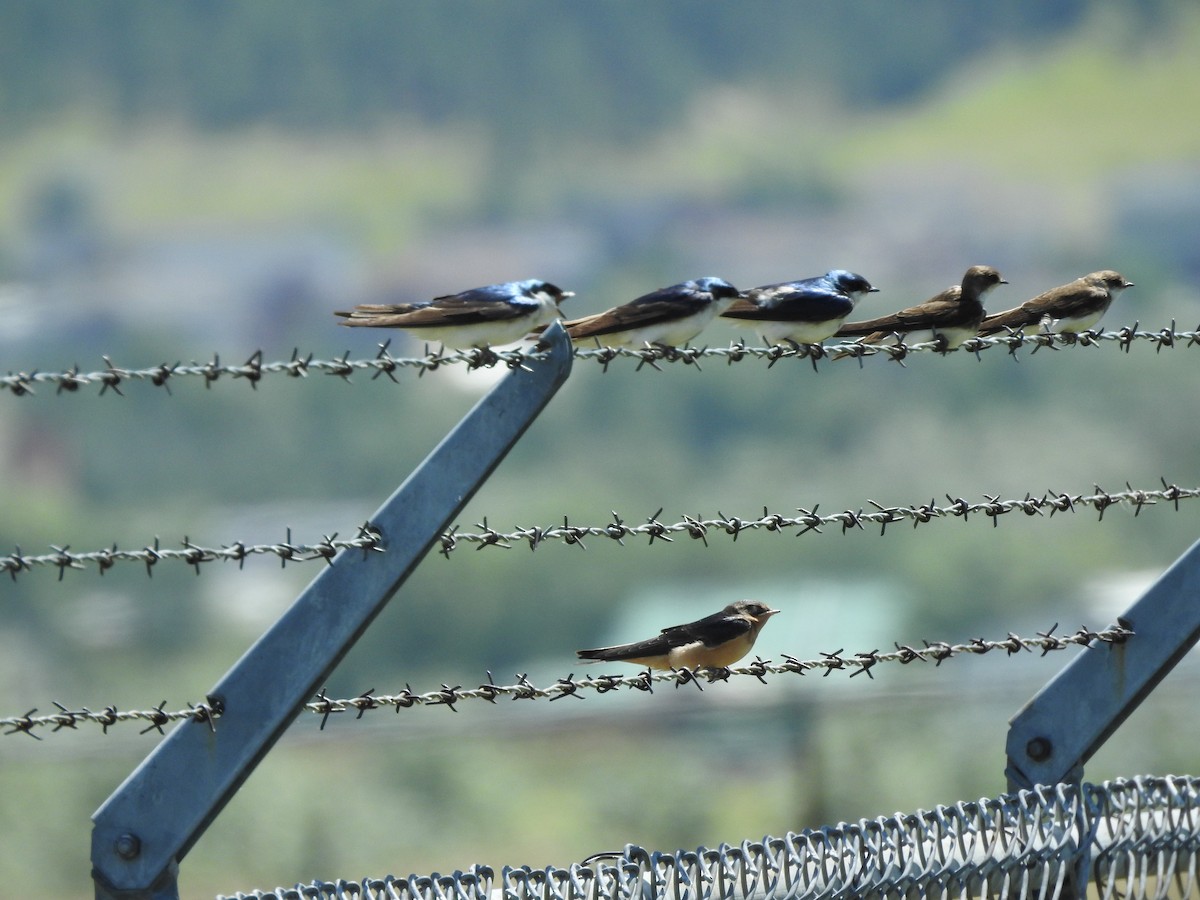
x=802 y=312
x=668 y=317
x=714 y=642
x=481 y=317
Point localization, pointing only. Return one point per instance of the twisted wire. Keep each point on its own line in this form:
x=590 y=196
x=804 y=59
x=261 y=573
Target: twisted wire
x=1016 y=845
x=993 y=507
x=369 y=538
x=68 y=719
x=449 y=696
x=113 y=377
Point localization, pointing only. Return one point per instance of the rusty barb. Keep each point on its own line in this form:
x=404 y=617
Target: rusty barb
x=301 y=365
x=449 y=696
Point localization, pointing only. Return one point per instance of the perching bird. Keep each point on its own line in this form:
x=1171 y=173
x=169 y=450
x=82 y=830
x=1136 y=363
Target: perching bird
x=669 y=317
x=803 y=312
x=480 y=317
x=1070 y=308
x=952 y=316
x=715 y=641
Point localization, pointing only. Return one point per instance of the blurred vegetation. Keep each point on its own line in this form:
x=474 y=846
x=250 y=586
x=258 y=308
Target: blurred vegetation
x=318 y=66
x=400 y=129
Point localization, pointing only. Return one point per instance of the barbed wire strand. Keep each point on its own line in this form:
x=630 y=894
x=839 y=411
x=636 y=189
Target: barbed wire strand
x=301 y=365
x=369 y=538
x=449 y=696
x=993 y=507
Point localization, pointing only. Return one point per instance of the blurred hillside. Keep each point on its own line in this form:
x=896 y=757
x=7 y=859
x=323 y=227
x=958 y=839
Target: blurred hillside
x=188 y=179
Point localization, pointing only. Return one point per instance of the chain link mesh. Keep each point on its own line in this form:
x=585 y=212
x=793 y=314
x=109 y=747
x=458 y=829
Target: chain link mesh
x=1131 y=838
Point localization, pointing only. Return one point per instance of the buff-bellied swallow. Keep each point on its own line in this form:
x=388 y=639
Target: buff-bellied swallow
x=481 y=317
x=1067 y=309
x=951 y=317
x=714 y=642
x=803 y=312
x=668 y=317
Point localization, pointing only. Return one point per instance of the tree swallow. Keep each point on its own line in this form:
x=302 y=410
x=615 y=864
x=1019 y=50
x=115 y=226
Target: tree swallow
x=481 y=317
x=713 y=642
x=669 y=317
x=1068 y=308
x=952 y=316
x=803 y=312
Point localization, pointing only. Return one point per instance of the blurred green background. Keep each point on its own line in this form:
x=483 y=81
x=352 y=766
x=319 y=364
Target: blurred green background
x=183 y=179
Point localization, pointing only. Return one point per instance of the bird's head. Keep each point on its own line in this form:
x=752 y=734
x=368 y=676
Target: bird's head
x=534 y=287
x=1113 y=282
x=755 y=609
x=718 y=287
x=981 y=279
x=850 y=283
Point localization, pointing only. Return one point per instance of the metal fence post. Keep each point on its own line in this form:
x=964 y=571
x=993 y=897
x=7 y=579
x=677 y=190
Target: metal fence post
x=149 y=823
x=1067 y=721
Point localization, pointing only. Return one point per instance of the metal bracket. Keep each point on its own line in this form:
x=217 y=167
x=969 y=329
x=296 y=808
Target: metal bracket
x=147 y=826
x=1068 y=720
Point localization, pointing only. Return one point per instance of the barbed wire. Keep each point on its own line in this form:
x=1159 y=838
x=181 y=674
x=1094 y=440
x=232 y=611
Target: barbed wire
x=370 y=539
x=645 y=681
x=66 y=718
x=992 y=507
x=301 y=365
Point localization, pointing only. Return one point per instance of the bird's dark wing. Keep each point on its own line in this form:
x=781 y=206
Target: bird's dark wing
x=468 y=308
x=1081 y=300
x=1017 y=317
x=657 y=307
x=936 y=311
x=1079 y=297
x=710 y=631
x=790 y=302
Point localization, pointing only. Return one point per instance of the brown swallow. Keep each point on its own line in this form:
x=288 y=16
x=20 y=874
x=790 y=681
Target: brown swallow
x=1069 y=308
x=952 y=316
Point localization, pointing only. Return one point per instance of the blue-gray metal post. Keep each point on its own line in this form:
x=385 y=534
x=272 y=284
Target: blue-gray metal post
x=145 y=828
x=1068 y=720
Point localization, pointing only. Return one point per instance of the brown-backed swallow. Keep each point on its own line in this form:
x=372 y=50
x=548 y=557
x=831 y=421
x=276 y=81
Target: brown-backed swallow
x=714 y=642
x=952 y=316
x=481 y=317
x=1070 y=308
x=668 y=317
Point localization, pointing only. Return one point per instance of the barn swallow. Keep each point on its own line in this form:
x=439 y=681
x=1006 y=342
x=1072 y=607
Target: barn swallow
x=668 y=317
x=714 y=642
x=1070 y=308
x=480 y=317
x=803 y=312
x=952 y=316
